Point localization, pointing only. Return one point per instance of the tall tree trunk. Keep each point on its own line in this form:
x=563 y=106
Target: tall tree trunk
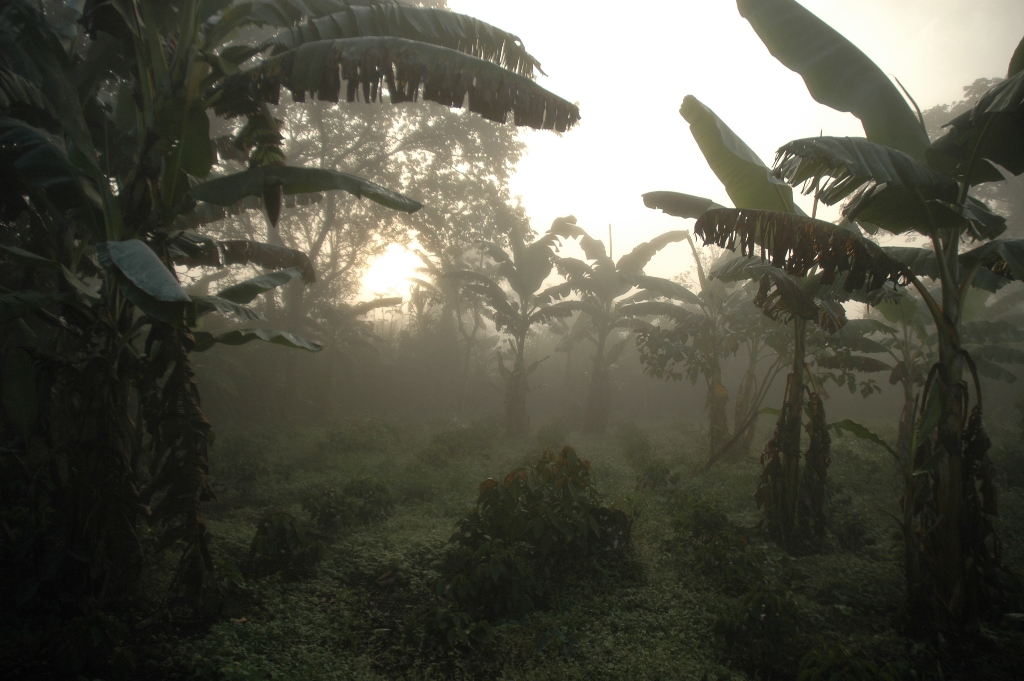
x=595 y=420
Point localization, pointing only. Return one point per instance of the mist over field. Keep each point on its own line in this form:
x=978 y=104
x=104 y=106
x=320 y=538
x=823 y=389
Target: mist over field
x=382 y=339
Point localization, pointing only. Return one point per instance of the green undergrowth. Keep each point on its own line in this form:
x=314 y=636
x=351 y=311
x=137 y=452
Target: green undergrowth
x=384 y=537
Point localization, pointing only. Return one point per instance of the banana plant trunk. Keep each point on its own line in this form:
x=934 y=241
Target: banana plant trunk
x=744 y=404
x=516 y=419
x=595 y=420
x=717 y=399
x=778 y=491
x=949 y=501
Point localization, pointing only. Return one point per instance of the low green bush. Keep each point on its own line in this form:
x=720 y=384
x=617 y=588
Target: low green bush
x=634 y=443
x=368 y=434
x=527 y=535
x=280 y=546
x=759 y=632
x=839 y=663
x=459 y=442
x=721 y=551
x=358 y=502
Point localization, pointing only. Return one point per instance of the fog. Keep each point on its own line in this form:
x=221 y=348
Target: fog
x=453 y=339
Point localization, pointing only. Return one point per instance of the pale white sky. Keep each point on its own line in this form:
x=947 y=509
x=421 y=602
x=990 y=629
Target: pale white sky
x=630 y=65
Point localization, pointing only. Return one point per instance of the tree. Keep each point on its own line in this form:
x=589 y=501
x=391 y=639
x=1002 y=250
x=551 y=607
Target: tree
x=603 y=287
x=96 y=205
x=884 y=180
x=518 y=310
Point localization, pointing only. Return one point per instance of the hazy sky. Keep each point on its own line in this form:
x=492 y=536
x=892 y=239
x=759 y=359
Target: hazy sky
x=629 y=67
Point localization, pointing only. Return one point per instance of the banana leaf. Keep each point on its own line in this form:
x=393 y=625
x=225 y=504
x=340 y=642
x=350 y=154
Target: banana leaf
x=229 y=189
x=206 y=340
x=679 y=205
x=246 y=291
x=145 y=279
x=423 y=24
x=799 y=245
x=836 y=72
x=408 y=69
x=746 y=178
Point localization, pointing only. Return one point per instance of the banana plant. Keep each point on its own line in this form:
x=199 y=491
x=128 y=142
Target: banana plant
x=570 y=336
x=517 y=310
x=895 y=180
x=107 y=155
x=603 y=285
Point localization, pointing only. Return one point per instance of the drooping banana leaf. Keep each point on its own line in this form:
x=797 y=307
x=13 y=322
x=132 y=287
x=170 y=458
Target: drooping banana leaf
x=423 y=24
x=991 y=131
x=922 y=263
x=206 y=340
x=679 y=205
x=229 y=189
x=205 y=305
x=145 y=279
x=243 y=252
x=836 y=72
x=408 y=69
x=885 y=187
x=746 y=178
x=798 y=245
x=1004 y=258
x=246 y=291
x=781 y=298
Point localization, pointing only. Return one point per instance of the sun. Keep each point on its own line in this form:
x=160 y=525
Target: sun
x=388 y=274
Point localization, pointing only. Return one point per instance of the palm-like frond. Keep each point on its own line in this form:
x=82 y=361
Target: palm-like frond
x=800 y=245
x=409 y=69
x=885 y=187
x=424 y=24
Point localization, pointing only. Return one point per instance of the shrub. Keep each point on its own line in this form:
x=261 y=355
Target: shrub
x=839 y=663
x=653 y=476
x=760 y=630
x=360 y=501
x=458 y=442
x=280 y=546
x=526 y=536
x=361 y=435
x=721 y=552
x=635 y=444
x=242 y=462
x=851 y=532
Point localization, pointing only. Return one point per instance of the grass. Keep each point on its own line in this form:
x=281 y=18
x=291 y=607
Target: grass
x=652 y=617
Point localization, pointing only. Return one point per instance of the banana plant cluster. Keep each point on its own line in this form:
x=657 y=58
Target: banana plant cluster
x=615 y=295
x=897 y=180
x=108 y=167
